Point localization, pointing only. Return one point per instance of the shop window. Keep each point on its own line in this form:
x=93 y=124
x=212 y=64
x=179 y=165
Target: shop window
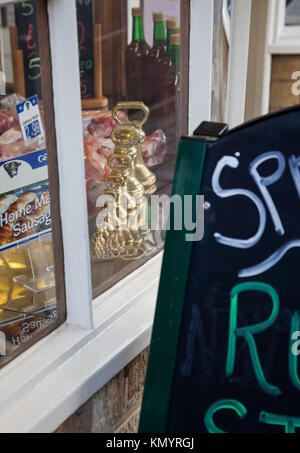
x=30 y=264
x=292 y=13
x=129 y=53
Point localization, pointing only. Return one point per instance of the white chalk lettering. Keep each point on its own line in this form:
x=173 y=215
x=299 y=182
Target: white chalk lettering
x=226 y=193
x=263 y=182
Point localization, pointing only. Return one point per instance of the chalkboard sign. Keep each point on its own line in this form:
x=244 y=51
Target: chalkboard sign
x=28 y=43
x=86 y=45
x=224 y=351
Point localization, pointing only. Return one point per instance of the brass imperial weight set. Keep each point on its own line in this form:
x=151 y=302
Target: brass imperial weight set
x=129 y=177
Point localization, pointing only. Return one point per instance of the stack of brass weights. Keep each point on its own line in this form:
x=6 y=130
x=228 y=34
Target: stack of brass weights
x=129 y=178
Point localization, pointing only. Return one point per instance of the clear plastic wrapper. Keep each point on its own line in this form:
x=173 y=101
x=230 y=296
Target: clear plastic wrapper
x=98 y=147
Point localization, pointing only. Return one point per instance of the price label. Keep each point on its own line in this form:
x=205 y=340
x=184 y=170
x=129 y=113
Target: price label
x=32 y=130
x=30 y=119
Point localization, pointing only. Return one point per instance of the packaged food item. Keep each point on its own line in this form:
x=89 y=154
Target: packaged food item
x=19 y=148
x=154 y=144
x=12 y=144
x=98 y=123
x=12 y=135
x=92 y=151
x=97 y=149
x=97 y=127
x=10 y=102
x=24 y=214
x=7 y=120
x=152 y=161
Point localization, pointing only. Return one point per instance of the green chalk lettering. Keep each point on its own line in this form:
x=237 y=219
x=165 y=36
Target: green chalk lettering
x=220 y=405
x=248 y=332
x=290 y=423
x=293 y=353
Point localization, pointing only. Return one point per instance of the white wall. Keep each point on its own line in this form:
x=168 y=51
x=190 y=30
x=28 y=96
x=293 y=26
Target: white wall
x=171 y=8
x=131 y=4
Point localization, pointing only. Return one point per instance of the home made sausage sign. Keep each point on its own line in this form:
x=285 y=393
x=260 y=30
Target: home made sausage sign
x=224 y=354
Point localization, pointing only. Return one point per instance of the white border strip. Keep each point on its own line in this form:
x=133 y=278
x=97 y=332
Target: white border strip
x=201 y=62
x=238 y=62
x=226 y=21
x=285 y=39
x=73 y=204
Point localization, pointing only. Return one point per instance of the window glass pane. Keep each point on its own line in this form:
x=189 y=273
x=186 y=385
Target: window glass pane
x=292 y=12
x=128 y=54
x=229 y=6
x=28 y=307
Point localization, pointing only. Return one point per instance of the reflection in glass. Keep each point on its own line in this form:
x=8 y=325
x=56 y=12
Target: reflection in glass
x=292 y=13
x=138 y=70
x=27 y=282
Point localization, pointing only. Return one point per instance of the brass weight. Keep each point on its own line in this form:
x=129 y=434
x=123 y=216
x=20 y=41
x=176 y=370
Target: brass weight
x=130 y=177
x=126 y=139
x=142 y=172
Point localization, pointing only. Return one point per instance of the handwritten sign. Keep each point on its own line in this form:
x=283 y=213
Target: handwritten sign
x=225 y=346
x=28 y=42
x=86 y=46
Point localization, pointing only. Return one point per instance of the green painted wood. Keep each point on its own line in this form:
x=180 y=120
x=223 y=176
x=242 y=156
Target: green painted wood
x=171 y=295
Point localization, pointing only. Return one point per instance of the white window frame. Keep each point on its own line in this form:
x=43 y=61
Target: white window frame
x=54 y=377
x=226 y=20
x=284 y=34
x=258 y=32
x=270 y=36
x=238 y=61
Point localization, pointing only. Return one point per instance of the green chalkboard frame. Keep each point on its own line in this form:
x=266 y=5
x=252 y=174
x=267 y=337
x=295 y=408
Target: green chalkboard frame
x=188 y=180
x=171 y=296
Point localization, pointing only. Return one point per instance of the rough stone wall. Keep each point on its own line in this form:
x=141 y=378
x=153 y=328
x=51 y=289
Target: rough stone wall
x=116 y=407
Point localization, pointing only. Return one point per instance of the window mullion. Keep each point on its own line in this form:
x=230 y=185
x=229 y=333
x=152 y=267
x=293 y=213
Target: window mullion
x=73 y=205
